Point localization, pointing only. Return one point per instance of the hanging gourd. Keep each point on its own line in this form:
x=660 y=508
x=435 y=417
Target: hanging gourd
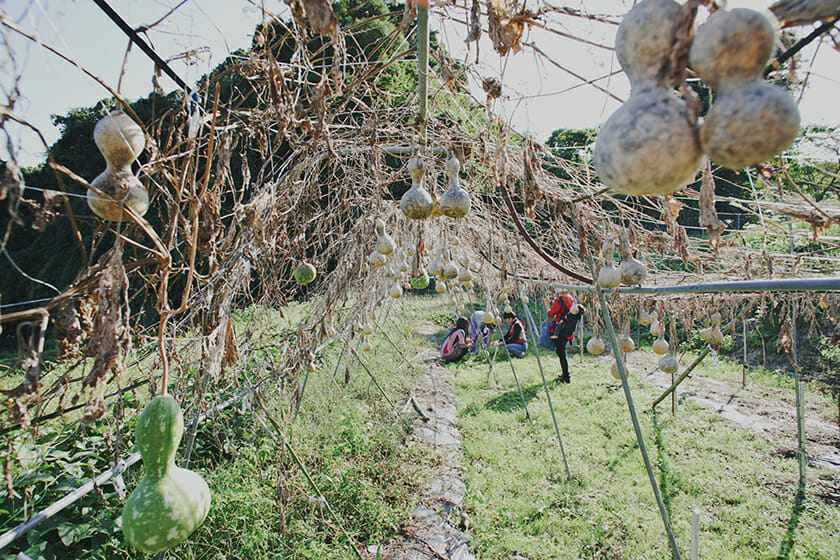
x=645 y=318
x=367 y=330
x=455 y=201
x=305 y=273
x=614 y=370
x=440 y=286
x=396 y=290
x=713 y=335
x=436 y=266
x=377 y=259
x=649 y=145
x=660 y=345
x=508 y=308
x=384 y=242
x=655 y=325
x=750 y=120
x=120 y=140
x=625 y=342
x=421 y=281
x=450 y=269
x=464 y=275
x=608 y=277
x=488 y=317
x=170 y=502
x=595 y=345
x=416 y=203
x=633 y=272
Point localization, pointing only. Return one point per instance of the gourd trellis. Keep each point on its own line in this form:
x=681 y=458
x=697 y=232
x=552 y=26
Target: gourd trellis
x=317 y=145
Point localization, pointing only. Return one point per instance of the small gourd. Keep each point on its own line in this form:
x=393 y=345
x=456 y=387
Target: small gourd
x=416 y=203
x=465 y=275
x=713 y=335
x=645 y=318
x=305 y=273
x=377 y=259
x=396 y=290
x=170 y=502
x=455 y=201
x=633 y=272
x=384 y=242
x=656 y=327
x=436 y=266
x=488 y=318
x=649 y=145
x=421 y=281
x=669 y=363
x=367 y=330
x=608 y=277
x=614 y=371
x=625 y=342
x=750 y=120
x=120 y=140
x=660 y=345
x=595 y=345
x=440 y=286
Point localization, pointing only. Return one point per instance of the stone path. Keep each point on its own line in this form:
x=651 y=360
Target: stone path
x=439 y=527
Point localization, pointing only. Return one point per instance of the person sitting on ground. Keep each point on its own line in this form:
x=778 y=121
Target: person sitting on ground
x=455 y=344
x=514 y=338
x=479 y=330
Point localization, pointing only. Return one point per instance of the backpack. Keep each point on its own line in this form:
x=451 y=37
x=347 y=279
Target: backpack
x=566 y=326
x=450 y=342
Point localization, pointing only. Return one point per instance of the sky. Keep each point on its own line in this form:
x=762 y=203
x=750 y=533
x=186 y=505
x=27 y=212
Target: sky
x=538 y=97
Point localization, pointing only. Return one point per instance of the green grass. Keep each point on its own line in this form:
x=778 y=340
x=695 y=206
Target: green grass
x=521 y=500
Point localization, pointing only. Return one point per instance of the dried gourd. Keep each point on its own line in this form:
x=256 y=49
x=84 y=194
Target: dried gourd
x=416 y=203
x=170 y=502
x=421 y=281
x=608 y=277
x=120 y=140
x=669 y=363
x=384 y=242
x=595 y=345
x=645 y=318
x=750 y=120
x=625 y=343
x=660 y=345
x=650 y=144
x=455 y=201
x=633 y=272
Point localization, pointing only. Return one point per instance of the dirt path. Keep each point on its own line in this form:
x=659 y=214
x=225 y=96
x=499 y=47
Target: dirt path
x=768 y=412
x=438 y=525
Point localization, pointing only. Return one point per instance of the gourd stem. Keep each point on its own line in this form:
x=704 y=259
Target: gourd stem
x=675 y=551
x=534 y=335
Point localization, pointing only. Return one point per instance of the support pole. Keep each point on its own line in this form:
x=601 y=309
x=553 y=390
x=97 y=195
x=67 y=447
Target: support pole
x=535 y=335
x=675 y=551
x=422 y=66
x=800 y=401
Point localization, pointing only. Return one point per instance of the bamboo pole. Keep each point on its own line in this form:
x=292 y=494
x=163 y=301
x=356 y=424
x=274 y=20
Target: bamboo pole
x=534 y=335
x=800 y=404
x=675 y=551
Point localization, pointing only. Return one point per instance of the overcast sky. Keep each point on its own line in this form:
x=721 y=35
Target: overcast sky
x=538 y=97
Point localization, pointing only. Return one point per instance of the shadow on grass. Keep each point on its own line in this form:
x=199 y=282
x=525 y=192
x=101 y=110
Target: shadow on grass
x=667 y=483
x=507 y=402
x=786 y=550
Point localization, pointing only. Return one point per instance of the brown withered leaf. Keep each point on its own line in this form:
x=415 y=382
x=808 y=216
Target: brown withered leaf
x=111 y=333
x=708 y=213
x=504 y=27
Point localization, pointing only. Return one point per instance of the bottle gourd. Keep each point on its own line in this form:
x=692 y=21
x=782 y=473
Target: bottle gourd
x=170 y=502
x=750 y=120
x=455 y=201
x=416 y=203
x=120 y=140
x=649 y=145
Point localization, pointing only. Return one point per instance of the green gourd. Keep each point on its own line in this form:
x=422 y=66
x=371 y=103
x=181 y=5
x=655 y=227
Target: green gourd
x=170 y=502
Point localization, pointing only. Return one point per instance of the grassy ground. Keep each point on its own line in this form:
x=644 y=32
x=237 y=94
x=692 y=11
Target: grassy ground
x=521 y=500
x=347 y=479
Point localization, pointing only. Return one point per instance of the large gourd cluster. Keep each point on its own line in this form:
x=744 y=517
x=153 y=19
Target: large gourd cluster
x=652 y=144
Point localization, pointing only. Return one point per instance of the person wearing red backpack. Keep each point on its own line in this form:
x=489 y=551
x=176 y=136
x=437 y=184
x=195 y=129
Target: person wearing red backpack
x=456 y=344
x=564 y=313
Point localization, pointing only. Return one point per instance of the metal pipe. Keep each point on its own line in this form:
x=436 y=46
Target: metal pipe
x=422 y=65
x=831 y=284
